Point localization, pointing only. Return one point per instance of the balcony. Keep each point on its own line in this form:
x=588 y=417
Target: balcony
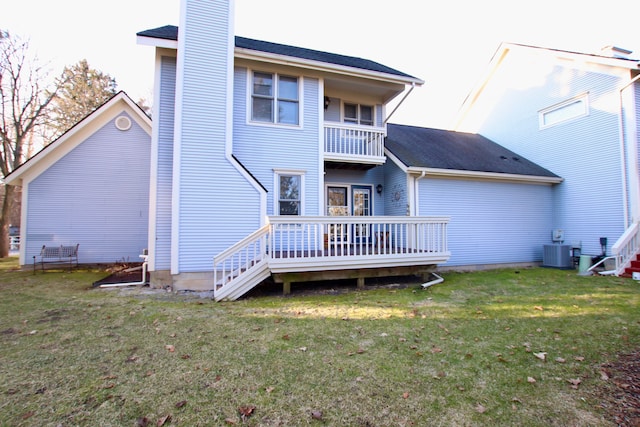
x=354 y=144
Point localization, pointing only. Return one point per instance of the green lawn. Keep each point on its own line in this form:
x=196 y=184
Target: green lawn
x=507 y=347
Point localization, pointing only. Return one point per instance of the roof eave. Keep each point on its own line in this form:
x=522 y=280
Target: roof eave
x=157 y=42
x=257 y=55
x=491 y=176
x=251 y=54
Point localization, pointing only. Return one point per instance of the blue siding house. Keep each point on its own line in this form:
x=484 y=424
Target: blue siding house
x=270 y=160
x=90 y=187
x=500 y=203
x=267 y=160
x=577 y=115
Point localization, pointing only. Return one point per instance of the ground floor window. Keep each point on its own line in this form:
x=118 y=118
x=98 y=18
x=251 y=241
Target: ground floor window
x=289 y=191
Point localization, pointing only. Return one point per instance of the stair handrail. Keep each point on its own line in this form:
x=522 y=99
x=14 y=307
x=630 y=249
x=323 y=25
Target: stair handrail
x=242 y=257
x=626 y=247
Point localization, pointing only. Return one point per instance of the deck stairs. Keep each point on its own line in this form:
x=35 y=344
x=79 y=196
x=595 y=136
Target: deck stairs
x=626 y=252
x=238 y=269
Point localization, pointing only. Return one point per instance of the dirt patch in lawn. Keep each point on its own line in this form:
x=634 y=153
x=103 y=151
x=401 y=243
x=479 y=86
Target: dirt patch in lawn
x=621 y=397
x=129 y=273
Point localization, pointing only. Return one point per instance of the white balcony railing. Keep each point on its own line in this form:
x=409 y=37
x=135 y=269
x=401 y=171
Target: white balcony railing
x=353 y=143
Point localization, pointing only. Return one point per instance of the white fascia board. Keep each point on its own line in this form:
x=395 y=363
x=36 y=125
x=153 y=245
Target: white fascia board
x=396 y=161
x=489 y=176
x=76 y=135
x=152 y=41
x=576 y=56
x=291 y=60
x=323 y=66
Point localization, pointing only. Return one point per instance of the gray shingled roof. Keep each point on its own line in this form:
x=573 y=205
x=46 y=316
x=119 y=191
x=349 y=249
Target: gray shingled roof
x=170 y=32
x=443 y=149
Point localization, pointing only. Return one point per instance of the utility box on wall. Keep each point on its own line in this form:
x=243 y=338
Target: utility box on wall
x=558 y=256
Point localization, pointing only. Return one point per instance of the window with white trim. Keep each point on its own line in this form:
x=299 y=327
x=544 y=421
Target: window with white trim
x=275 y=99
x=289 y=192
x=567 y=110
x=358 y=114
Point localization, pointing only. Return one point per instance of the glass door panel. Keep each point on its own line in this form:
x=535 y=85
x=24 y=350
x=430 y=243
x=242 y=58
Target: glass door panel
x=361 y=197
x=337 y=205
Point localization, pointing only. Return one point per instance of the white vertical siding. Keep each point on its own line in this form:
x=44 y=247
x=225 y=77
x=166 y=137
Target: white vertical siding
x=164 y=166
x=491 y=222
x=96 y=196
x=215 y=205
x=584 y=151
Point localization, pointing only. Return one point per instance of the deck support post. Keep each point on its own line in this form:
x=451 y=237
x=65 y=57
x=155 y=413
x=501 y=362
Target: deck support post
x=360 y=283
x=286 y=288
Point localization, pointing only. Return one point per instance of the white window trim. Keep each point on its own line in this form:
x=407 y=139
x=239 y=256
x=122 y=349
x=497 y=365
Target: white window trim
x=359 y=104
x=249 y=112
x=584 y=98
x=276 y=188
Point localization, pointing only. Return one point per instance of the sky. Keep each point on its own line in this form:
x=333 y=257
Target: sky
x=446 y=43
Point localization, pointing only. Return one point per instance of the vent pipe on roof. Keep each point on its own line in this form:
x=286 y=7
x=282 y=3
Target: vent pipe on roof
x=616 y=52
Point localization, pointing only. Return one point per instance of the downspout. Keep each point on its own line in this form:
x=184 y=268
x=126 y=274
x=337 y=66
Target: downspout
x=413 y=85
x=415 y=192
x=623 y=146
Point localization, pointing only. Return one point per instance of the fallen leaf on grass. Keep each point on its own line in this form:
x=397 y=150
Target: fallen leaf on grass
x=316 y=415
x=230 y=421
x=181 y=404
x=246 y=411
x=480 y=409
x=542 y=355
x=538 y=307
x=405 y=395
x=575 y=382
x=560 y=360
x=170 y=348
x=163 y=420
x=269 y=389
x=436 y=350
x=186 y=356
x=531 y=380
x=579 y=359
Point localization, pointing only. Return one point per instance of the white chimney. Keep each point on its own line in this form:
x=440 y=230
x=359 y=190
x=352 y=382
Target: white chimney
x=616 y=52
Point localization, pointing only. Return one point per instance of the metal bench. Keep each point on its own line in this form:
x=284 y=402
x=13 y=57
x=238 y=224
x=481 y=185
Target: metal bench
x=57 y=255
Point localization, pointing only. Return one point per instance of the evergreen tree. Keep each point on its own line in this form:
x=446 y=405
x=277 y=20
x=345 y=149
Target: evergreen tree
x=81 y=90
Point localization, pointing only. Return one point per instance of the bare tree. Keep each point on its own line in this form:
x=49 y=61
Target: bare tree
x=23 y=103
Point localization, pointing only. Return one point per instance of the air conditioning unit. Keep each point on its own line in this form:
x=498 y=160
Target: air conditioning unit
x=558 y=256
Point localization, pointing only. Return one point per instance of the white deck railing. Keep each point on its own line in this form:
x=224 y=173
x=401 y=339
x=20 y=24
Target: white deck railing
x=328 y=242
x=626 y=248
x=307 y=243
x=354 y=143
x=246 y=255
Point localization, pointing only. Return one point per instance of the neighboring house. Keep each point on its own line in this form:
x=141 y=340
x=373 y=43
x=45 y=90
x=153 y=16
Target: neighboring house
x=500 y=203
x=576 y=115
x=90 y=187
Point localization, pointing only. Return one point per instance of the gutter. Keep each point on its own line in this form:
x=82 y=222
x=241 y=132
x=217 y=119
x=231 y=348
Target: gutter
x=493 y=176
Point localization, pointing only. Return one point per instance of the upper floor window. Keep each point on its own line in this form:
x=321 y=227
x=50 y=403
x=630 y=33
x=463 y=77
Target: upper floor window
x=570 y=109
x=275 y=99
x=358 y=114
